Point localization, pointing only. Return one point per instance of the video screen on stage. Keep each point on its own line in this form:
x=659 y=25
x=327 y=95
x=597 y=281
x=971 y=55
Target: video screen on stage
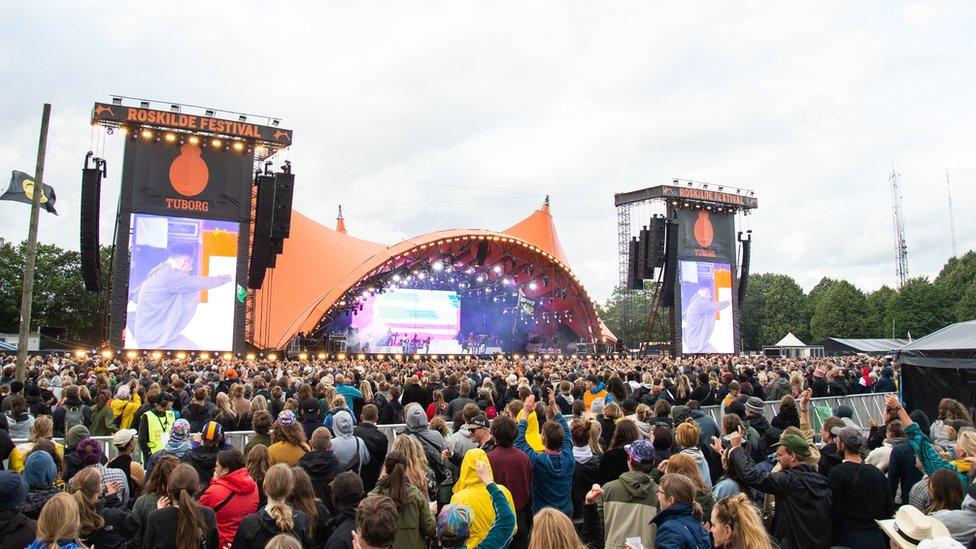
x=706 y=307
x=182 y=283
x=406 y=320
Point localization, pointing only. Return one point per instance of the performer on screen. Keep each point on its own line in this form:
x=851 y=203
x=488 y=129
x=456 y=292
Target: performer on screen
x=168 y=300
x=699 y=320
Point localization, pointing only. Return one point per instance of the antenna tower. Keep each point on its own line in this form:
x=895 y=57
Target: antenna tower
x=952 y=221
x=901 y=249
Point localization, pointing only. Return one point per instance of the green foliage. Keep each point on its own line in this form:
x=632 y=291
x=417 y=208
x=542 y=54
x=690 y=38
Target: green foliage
x=626 y=313
x=955 y=279
x=920 y=308
x=840 y=309
x=782 y=311
x=751 y=309
x=879 y=310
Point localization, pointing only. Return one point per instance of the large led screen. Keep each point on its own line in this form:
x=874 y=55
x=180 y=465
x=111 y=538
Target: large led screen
x=407 y=320
x=182 y=283
x=706 y=307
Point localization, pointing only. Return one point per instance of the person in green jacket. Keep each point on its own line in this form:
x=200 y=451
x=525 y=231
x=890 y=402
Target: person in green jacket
x=416 y=521
x=454 y=521
x=102 y=417
x=964 y=466
x=623 y=508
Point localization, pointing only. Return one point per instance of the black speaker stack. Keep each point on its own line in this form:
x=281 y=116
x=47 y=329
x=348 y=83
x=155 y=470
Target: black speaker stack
x=91 y=190
x=272 y=221
x=646 y=253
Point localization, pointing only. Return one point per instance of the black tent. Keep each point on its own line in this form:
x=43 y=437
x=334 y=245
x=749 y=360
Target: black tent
x=842 y=346
x=940 y=365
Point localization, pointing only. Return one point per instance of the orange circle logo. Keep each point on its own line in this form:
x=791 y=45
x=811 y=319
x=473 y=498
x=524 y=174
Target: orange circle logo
x=703 y=230
x=188 y=174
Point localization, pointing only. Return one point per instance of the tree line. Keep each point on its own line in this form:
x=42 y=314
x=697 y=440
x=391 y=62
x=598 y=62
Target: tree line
x=775 y=305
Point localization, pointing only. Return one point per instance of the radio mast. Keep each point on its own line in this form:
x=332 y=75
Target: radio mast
x=952 y=221
x=901 y=249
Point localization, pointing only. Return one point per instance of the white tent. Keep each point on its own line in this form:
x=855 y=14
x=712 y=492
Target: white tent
x=791 y=347
x=790 y=340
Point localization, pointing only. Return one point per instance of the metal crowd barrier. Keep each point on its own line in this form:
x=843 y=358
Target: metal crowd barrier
x=865 y=406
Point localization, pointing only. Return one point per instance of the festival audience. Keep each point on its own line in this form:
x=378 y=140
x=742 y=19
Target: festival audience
x=277 y=517
x=232 y=494
x=179 y=520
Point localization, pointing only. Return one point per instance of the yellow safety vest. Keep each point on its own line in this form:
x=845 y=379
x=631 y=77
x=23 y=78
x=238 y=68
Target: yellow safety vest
x=158 y=428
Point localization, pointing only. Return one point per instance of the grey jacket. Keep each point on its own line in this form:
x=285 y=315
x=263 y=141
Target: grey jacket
x=345 y=443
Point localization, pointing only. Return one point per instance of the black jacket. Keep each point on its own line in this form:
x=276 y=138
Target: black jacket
x=16 y=530
x=62 y=413
x=802 y=501
x=322 y=467
x=612 y=464
x=859 y=496
x=390 y=411
x=203 y=459
x=120 y=526
x=377 y=445
x=162 y=524
x=768 y=435
x=584 y=477
x=257 y=529
x=828 y=458
x=197 y=415
x=902 y=472
x=819 y=387
x=341 y=525
x=36 y=498
x=415 y=393
x=786 y=417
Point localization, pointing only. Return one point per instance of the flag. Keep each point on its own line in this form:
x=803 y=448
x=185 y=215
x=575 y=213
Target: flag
x=22 y=190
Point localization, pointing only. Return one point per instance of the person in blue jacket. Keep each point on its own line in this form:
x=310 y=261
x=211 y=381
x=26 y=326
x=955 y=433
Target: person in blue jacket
x=679 y=521
x=552 y=469
x=454 y=520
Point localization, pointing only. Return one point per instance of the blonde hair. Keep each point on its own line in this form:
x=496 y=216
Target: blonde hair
x=552 y=529
x=685 y=465
x=682 y=489
x=687 y=433
x=283 y=541
x=59 y=520
x=612 y=411
x=223 y=404
x=258 y=404
x=416 y=460
x=966 y=441
x=596 y=430
x=278 y=483
x=738 y=513
x=85 y=486
x=367 y=390
x=43 y=428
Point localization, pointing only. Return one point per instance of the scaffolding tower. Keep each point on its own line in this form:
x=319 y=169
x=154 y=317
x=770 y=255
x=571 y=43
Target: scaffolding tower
x=901 y=249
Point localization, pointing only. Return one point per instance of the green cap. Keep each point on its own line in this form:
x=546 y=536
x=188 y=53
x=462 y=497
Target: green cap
x=794 y=444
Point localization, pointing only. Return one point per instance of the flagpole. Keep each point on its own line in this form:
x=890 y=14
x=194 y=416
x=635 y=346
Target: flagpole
x=26 y=297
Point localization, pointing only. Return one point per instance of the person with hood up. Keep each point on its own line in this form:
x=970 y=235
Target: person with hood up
x=886 y=384
x=321 y=465
x=802 y=494
x=177 y=445
x=624 y=507
x=552 y=469
x=124 y=407
x=460 y=441
x=457 y=521
x=39 y=473
x=72 y=461
x=417 y=427
x=347 y=492
x=16 y=530
x=349 y=449
x=687 y=435
x=232 y=494
x=203 y=456
x=779 y=387
x=595 y=389
x=471 y=491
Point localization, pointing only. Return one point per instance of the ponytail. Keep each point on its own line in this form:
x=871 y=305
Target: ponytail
x=395 y=482
x=278 y=483
x=191 y=525
x=682 y=489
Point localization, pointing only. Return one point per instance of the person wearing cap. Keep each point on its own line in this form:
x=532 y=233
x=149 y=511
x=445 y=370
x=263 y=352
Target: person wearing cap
x=802 y=494
x=347 y=492
x=155 y=424
x=457 y=523
x=595 y=389
x=16 y=530
x=471 y=491
x=768 y=435
x=125 y=442
x=203 y=456
x=911 y=528
x=623 y=508
x=860 y=494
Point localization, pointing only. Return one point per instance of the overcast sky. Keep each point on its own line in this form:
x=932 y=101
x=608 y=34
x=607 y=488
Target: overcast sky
x=418 y=116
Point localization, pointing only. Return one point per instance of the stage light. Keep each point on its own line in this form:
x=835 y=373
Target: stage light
x=360 y=357
x=107 y=353
x=204 y=356
x=146 y=134
x=480 y=278
x=209 y=112
x=321 y=356
x=180 y=355
x=260 y=149
x=144 y=104
x=341 y=356
x=242 y=118
x=116 y=100
x=438 y=266
x=416 y=357
x=450 y=357
x=250 y=356
x=216 y=143
x=275 y=122
x=380 y=356
x=170 y=137
x=497 y=269
x=174 y=108
x=131 y=354
x=194 y=140
x=533 y=285
x=422 y=275
x=156 y=355
x=238 y=146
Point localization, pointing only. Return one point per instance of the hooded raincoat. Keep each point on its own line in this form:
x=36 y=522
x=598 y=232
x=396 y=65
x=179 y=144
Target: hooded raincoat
x=470 y=491
x=232 y=497
x=346 y=446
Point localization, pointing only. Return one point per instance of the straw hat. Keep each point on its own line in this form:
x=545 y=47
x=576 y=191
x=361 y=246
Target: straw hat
x=910 y=527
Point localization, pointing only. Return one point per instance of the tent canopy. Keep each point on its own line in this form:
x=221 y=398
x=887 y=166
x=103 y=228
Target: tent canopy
x=940 y=365
x=951 y=347
x=837 y=345
x=790 y=340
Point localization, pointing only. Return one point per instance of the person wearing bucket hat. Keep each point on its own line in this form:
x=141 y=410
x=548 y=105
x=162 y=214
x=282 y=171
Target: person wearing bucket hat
x=860 y=494
x=911 y=527
x=802 y=494
x=177 y=445
x=16 y=530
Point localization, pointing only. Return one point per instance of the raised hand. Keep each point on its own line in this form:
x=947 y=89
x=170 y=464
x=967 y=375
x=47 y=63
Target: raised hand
x=891 y=401
x=736 y=439
x=484 y=473
x=594 y=494
x=717 y=445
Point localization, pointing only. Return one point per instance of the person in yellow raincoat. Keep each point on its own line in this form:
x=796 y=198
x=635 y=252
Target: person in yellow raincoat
x=124 y=405
x=532 y=434
x=471 y=491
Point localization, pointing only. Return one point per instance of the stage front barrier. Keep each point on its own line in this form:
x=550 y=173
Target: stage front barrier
x=869 y=405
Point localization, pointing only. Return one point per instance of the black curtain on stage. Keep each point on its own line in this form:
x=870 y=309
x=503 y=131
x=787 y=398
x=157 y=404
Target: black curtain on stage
x=922 y=388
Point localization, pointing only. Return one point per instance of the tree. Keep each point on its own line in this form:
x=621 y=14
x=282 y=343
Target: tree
x=815 y=295
x=877 y=323
x=955 y=279
x=919 y=308
x=751 y=310
x=782 y=311
x=840 y=312
x=627 y=312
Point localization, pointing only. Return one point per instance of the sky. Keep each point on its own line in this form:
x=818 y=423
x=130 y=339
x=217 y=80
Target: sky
x=417 y=116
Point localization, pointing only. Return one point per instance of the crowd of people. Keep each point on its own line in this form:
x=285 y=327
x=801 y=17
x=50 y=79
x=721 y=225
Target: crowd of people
x=529 y=452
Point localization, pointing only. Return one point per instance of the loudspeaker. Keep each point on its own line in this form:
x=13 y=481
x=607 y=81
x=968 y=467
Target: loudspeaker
x=670 y=264
x=482 y=253
x=655 y=245
x=642 y=247
x=634 y=281
x=263 y=220
x=284 y=190
x=91 y=190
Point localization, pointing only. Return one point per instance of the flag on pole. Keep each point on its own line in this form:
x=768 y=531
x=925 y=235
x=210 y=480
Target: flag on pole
x=22 y=190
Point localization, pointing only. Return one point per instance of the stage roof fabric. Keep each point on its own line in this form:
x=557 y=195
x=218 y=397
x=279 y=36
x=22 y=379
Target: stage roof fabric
x=951 y=347
x=837 y=344
x=320 y=265
x=790 y=340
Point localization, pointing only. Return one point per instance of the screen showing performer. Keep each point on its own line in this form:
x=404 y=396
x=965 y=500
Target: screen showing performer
x=182 y=284
x=409 y=321
x=706 y=307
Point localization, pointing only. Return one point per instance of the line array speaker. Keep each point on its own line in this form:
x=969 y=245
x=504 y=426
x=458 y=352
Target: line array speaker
x=263 y=222
x=91 y=190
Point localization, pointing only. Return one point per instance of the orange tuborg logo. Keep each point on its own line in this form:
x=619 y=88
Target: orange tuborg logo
x=703 y=230
x=188 y=174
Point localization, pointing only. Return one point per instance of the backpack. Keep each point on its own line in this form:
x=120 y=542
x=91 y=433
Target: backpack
x=73 y=416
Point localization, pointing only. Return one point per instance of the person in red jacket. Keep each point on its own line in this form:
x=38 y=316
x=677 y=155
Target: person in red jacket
x=232 y=494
